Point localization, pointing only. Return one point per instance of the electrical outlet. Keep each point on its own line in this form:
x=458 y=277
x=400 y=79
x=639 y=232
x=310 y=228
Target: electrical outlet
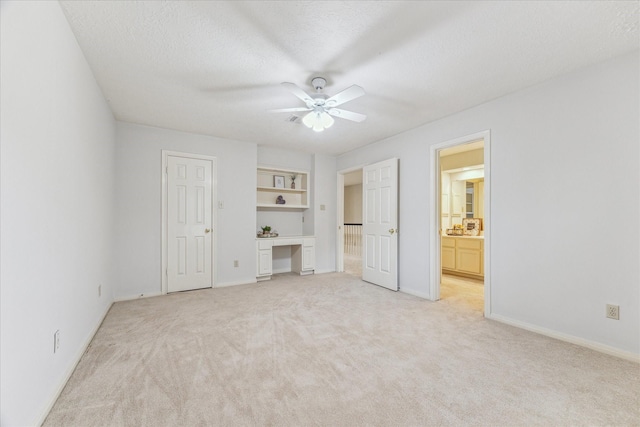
x=613 y=311
x=56 y=340
x=236 y=263
x=99 y=290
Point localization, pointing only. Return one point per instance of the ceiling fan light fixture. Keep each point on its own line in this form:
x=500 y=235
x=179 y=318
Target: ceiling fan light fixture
x=309 y=119
x=318 y=120
x=327 y=120
x=318 y=127
x=320 y=107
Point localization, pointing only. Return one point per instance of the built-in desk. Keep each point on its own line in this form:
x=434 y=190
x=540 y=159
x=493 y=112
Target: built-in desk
x=303 y=254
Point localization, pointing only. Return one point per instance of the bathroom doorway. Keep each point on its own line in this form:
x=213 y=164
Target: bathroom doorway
x=460 y=222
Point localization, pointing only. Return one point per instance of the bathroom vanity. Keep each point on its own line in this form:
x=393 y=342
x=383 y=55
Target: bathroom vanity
x=463 y=255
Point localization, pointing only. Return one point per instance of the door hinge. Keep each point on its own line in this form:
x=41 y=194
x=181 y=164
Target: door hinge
x=166 y=170
x=166 y=272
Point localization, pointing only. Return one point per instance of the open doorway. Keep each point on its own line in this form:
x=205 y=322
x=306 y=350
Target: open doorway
x=349 y=241
x=460 y=222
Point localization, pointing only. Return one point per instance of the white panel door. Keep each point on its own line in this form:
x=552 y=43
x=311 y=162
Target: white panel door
x=190 y=220
x=380 y=224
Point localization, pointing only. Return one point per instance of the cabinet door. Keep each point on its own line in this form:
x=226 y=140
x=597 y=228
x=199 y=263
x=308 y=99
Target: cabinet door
x=264 y=262
x=469 y=261
x=308 y=258
x=448 y=258
x=458 y=198
x=445 y=202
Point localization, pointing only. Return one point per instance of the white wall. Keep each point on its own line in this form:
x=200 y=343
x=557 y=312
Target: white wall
x=564 y=162
x=353 y=204
x=325 y=211
x=138 y=211
x=57 y=173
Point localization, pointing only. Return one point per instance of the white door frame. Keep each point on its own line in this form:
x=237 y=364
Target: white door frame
x=435 y=242
x=340 y=217
x=214 y=213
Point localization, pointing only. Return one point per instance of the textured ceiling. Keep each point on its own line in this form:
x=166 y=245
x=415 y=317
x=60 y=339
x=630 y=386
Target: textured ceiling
x=215 y=68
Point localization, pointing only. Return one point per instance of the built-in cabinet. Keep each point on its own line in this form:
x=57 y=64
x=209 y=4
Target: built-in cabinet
x=274 y=183
x=463 y=255
x=264 y=257
x=303 y=255
x=461 y=196
x=283 y=191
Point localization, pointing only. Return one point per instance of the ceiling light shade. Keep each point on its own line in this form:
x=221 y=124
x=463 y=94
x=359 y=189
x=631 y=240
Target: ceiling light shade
x=309 y=119
x=327 y=120
x=318 y=120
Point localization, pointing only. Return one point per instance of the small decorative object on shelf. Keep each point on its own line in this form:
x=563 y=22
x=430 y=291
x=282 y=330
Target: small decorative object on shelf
x=293 y=181
x=266 y=232
x=456 y=230
x=280 y=200
x=471 y=226
x=278 y=181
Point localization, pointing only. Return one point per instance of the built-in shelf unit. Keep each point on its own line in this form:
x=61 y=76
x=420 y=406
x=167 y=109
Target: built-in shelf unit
x=267 y=192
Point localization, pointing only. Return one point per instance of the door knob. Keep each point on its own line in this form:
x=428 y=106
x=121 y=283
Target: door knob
x=391 y=230
x=207 y=230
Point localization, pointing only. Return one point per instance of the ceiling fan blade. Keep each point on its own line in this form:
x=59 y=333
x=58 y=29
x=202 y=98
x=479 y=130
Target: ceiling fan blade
x=344 y=114
x=346 y=95
x=294 y=89
x=290 y=110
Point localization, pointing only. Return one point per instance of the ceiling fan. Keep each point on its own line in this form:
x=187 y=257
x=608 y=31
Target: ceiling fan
x=321 y=107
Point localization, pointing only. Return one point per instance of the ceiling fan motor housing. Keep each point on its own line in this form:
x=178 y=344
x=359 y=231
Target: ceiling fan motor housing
x=318 y=83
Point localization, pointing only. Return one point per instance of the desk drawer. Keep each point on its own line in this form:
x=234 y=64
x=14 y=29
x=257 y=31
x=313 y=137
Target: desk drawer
x=264 y=244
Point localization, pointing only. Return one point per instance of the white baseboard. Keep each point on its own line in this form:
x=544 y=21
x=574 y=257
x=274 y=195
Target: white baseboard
x=415 y=293
x=138 y=296
x=323 y=271
x=602 y=348
x=69 y=372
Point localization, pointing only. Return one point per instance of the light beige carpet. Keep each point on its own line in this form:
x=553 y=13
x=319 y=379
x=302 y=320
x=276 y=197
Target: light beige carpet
x=353 y=265
x=331 y=350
